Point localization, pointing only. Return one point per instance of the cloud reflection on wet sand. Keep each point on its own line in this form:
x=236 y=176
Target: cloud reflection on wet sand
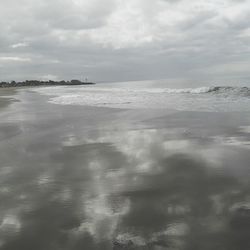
x=122 y=189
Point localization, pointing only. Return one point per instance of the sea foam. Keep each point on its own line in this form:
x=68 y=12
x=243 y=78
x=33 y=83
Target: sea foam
x=215 y=98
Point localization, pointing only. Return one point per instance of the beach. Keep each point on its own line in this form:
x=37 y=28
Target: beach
x=104 y=174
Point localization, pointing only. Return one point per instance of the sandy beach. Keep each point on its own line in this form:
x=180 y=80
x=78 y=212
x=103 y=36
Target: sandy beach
x=82 y=177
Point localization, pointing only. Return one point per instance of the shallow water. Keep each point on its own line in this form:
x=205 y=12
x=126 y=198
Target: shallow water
x=153 y=95
x=80 y=177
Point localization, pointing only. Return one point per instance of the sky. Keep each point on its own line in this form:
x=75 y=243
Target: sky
x=123 y=40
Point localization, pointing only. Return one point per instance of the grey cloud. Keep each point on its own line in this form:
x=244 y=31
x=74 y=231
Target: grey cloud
x=70 y=15
x=115 y=40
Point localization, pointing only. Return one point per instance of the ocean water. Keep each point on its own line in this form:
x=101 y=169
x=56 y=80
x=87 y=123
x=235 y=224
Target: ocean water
x=154 y=95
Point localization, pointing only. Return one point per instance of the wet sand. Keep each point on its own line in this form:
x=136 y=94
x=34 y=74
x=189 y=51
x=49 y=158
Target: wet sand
x=76 y=177
x=4 y=94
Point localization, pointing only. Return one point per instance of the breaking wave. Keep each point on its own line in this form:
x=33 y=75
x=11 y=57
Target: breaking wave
x=227 y=90
x=217 y=98
x=223 y=90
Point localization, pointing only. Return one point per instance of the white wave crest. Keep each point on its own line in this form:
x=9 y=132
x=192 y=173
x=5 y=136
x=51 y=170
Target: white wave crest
x=218 y=98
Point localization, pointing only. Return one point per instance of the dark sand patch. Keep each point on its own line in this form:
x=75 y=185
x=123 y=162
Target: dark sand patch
x=6 y=97
x=4 y=102
x=8 y=91
x=8 y=130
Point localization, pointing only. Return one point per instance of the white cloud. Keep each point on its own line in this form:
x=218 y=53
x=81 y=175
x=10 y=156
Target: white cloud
x=19 y=45
x=49 y=77
x=14 y=59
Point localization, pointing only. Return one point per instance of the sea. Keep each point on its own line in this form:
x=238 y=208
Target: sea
x=176 y=95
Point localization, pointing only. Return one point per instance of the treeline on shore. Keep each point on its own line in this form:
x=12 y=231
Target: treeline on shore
x=42 y=83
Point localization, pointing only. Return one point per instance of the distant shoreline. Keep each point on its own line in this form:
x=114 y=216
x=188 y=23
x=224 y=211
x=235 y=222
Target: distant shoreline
x=33 y=83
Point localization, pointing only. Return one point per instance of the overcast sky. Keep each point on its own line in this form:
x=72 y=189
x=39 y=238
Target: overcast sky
x=120 y=40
